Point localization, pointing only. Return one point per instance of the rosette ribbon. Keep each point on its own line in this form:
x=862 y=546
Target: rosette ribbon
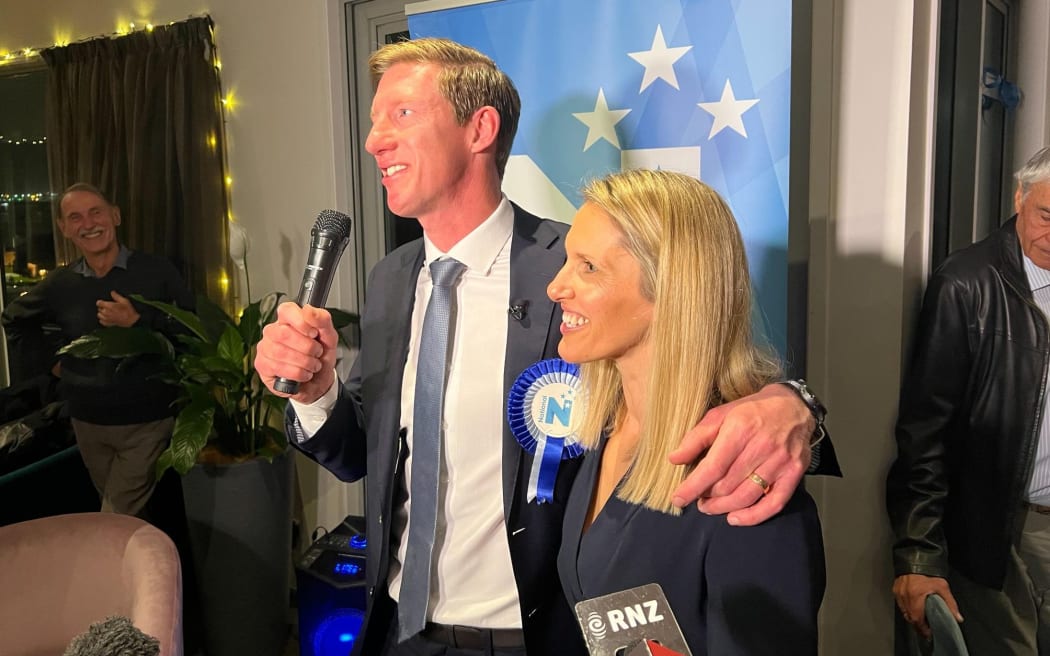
x=540 y=407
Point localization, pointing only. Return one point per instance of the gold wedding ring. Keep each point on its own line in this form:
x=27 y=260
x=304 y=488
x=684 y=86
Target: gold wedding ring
x=759 y=481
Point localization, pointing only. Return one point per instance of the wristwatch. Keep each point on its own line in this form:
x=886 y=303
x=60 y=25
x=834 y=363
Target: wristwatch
x=815 y=407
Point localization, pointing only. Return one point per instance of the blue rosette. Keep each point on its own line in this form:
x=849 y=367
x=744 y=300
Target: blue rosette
x=539 y=409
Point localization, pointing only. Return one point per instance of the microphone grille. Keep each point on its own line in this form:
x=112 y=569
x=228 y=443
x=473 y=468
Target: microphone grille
x=332 y=221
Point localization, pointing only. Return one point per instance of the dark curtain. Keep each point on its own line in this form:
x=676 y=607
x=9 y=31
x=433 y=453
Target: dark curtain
x=140 y=117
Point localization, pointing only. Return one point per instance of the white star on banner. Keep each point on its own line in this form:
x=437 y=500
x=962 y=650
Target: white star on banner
x=601 y=123
x=728 y=112
x=659 y=61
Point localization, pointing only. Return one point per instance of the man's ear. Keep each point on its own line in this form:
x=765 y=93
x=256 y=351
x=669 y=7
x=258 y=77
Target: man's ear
x=1018 y=198
x=116 y=215
x=486 y=122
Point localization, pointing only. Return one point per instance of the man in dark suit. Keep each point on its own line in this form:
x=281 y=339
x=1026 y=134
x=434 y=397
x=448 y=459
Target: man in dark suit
x=443 y=120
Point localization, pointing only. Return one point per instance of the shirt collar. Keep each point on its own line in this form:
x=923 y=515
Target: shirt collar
x=81 y=265
x=482 y=246
x=1037 y=276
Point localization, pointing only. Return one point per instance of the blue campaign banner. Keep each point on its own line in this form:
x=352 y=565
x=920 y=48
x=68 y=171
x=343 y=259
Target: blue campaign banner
x=698 y=86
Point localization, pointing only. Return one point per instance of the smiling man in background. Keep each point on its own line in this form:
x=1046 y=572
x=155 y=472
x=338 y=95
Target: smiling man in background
x=121 y=415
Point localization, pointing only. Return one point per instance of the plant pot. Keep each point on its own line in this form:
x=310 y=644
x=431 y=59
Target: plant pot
x=240 y=532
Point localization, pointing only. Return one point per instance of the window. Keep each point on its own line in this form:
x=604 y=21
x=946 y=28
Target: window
x=26 y=224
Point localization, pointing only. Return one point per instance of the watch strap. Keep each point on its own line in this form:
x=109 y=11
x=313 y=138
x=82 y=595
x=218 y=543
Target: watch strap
x=816 y=408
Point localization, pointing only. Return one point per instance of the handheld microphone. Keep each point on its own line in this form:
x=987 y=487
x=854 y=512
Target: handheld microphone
x=329 y=236
x=636 y=621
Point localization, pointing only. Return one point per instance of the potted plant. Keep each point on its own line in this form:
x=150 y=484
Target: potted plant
x=225 y=413
x=228 y=443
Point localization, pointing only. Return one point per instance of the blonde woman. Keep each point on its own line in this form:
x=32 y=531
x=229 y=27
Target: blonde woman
x=656 y=301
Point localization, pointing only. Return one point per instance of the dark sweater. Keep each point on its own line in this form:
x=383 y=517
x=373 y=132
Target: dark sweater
x=104 y=391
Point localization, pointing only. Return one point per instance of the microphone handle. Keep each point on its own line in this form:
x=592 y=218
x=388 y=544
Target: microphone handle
x=286 y=385
x=325 y=251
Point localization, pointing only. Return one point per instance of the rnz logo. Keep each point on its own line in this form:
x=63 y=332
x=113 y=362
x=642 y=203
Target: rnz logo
x=621 y=619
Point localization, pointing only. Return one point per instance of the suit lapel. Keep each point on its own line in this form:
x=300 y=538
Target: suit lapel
x=398 y=301
x=537 y=253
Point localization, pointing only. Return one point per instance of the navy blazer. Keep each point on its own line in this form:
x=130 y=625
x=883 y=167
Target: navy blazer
x=364 y=436
x=734 y=590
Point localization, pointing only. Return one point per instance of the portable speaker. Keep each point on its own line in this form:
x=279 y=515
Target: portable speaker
x=331 y=590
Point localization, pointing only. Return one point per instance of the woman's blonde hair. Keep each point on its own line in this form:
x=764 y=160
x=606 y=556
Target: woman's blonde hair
x=694 y=270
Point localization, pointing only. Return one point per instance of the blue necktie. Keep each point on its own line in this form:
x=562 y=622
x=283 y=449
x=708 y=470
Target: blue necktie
x=427 y=419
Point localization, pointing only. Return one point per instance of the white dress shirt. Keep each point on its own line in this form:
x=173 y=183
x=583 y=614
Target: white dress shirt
x=474 y=579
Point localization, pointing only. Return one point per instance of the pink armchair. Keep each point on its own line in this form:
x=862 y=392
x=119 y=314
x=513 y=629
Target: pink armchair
x=59 y=575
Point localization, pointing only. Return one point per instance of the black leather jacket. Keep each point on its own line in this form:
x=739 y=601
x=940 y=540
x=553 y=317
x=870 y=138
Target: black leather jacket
x=969 y=418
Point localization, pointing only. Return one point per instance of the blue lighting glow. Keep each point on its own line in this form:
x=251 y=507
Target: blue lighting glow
x=337 y=632
x=358 y=542
x=346 y=568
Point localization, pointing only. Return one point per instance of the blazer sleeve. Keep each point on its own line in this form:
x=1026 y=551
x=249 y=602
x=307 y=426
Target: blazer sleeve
x=339 y=446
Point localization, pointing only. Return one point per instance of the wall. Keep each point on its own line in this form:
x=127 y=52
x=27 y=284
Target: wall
x=279 y=60
x=869 y=181
x=1033 y=76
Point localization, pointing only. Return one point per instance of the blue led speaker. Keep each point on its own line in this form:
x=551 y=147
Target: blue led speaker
x=331 y=590
x=337 y=632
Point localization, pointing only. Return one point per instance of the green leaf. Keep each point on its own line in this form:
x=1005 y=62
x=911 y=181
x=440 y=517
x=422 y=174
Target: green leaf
x=192 y=427
x=164 y=462
x=213 y=317
x=217 y=372
x=231 y=347
x=117 y=342
x=185 y=317
x=223 y=366
x=249 y=324
x=195 y=366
